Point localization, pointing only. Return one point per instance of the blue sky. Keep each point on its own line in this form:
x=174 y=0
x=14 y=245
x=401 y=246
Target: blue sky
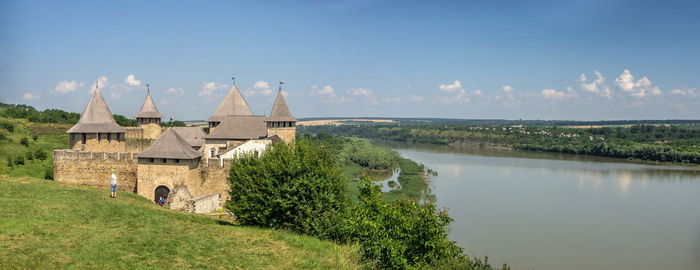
x=583 y=60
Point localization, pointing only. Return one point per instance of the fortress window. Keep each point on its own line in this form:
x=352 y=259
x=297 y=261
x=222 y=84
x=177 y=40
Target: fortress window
x=165 y=161
x=177 y=161
x=152 y=160
x=84 y=137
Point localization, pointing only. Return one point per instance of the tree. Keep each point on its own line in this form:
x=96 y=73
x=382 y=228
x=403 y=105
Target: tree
x=294 y=187
x=40 y=154
x=35 y=137
x=24 y=141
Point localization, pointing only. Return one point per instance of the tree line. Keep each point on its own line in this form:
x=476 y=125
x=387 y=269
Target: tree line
x=664 y=143
x=21 y=111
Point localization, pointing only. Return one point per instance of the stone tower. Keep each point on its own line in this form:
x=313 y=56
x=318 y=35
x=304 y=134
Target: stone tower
x=148 y=118
x=281 y=122
x=232 y=104
x=96 y=131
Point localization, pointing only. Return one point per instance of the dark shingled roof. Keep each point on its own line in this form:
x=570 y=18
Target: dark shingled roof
x=194 y=136
x=96 y=118
x=280 y=111
x=170 y=145
x=148 y=109
x=240 y=127
x=232 y=104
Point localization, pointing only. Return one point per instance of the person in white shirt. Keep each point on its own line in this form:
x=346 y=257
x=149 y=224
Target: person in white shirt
x=113 y=184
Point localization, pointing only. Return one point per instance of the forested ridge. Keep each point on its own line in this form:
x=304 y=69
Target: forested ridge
x=664 y=143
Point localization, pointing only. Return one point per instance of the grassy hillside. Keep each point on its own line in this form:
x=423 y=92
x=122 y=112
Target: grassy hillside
x=48 y=137
x=53 y=225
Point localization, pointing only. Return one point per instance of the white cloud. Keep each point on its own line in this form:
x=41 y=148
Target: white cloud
x=29 y=96
x=506 y=93
x=326 y=91
x=558 y=95
x=260 y=87
x=392 y=100
x=639 y=89
x=478 y=92
x=415 y=99
x=178 y=92
x=457 y=85
x=507 y=88
x=687 y=92
x=366 y=94
x=131 y=80
x=209 y=88
x=64 y=87
x=597 y=86
x=102 y=83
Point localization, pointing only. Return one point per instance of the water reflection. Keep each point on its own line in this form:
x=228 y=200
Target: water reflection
x=555 y=211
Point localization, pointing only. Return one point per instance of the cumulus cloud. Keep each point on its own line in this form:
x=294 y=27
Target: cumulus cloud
x=506 y=93
x=260 y=88
x=687 y=92
x=29 y=96
x=131 y=81
x=178 y=92
x=208 y=88
x=365 y=94
x=478 y=92
x=558 y=95
x=639 y=89
x=64 y=87
x=392 y=100
x=325 y=91
x=102 y=82
x=456 y=86
x=597 y=86
x=507 y=88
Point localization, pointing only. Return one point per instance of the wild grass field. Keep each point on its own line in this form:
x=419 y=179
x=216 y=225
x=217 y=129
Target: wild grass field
x=46 y=224
x=25 y=147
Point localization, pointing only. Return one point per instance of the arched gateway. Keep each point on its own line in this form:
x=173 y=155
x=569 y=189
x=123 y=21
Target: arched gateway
x=162 y=191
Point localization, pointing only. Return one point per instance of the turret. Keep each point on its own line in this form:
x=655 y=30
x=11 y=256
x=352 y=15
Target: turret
x=281 y=123
x=96 y=131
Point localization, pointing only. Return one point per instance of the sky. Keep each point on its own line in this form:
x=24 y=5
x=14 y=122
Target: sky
x=565 y=60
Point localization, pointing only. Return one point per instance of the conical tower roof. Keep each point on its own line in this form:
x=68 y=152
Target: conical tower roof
x=97 y=118
x=233 y=104
x=280 y=111
x=170 y=145
x=148 y=109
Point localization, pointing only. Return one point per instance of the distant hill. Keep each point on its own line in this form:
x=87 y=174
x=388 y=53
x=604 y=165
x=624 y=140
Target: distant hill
x=490 y=122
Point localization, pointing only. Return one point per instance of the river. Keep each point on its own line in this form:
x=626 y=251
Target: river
x=552 y=211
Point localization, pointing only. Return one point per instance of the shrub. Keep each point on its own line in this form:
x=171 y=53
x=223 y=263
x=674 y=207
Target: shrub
x=9 y=161
x=29 y=155
x=24 y=141
x=8 y=126
x=48 y=174
x=398 y=235
x=297 y=188
x=35 y=137
x=40 y=154
x=19 y=160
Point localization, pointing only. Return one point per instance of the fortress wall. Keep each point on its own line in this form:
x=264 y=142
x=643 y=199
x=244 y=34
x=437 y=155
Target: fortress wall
x=136 y=145
x=93 y=168
x=287 y=134
x=133 y=132
x=170 y=173
x=214 y=178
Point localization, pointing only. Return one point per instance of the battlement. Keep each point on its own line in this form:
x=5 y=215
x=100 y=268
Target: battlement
x=76 y=155
x=94 y=168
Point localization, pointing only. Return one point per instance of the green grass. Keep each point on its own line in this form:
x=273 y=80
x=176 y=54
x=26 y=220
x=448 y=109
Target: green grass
x=46 y=224
x=412 y=178
x=49 y=137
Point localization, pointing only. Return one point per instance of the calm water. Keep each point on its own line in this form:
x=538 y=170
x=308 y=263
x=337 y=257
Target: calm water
x=549 y=211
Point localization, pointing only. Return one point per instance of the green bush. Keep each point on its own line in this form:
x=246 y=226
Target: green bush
x=35 y=137
x=48 y=174
x=29 y=155
x=24 y=141
x=298 y=188
x=9 y=162
x=398 y=235
x=8 y=126
x=40 y=154
x=19 y=160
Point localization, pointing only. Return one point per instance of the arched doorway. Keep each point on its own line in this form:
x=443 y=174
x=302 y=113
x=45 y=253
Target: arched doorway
x=161 y=191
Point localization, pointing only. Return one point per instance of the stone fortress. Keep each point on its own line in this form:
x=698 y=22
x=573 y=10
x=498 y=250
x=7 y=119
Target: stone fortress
x=189 y=165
